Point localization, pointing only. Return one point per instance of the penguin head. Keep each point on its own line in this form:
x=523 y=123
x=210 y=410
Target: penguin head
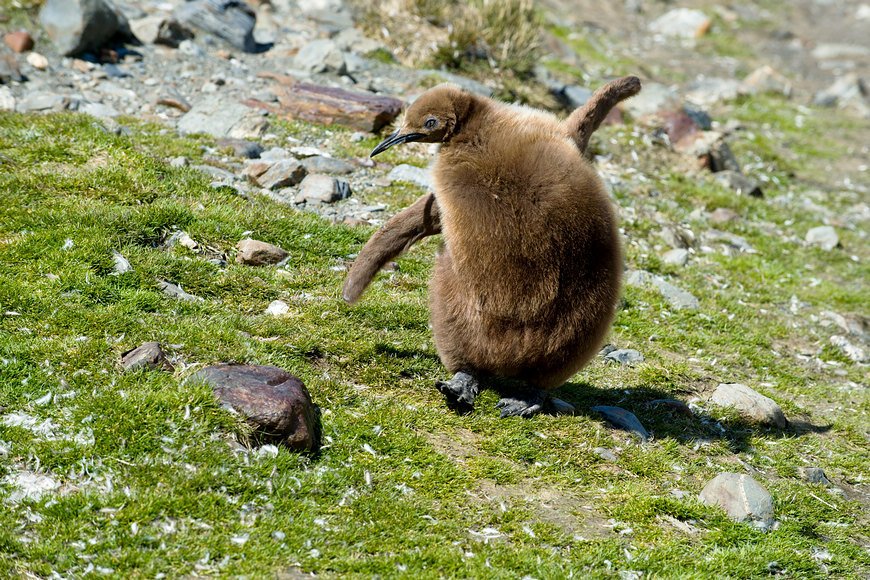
x=432 y=118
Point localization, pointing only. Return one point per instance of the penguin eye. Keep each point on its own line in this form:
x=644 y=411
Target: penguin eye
x=430 y=123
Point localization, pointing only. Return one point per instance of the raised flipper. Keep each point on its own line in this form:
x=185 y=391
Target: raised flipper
x=406 y=228
x=585 y=120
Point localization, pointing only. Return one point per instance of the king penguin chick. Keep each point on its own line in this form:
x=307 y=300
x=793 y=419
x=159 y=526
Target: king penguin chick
x=526 y=284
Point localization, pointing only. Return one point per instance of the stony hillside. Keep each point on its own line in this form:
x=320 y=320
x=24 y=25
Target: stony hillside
x=185 y=184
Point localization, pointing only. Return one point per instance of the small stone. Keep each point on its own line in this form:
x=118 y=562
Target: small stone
x=277 y=175
x=823 y=236
x=575 y=96
x=174 y=291
x=674 y=296
x=713 y=91
x=323 y=189
x=678 y=237
x=676 y=257
x=230 y=20
x=742 y=498
x=740 y=183
x=8 y=102
x=815 y=475
x=678 y=125
x=749 y=404
x=9 y=71
x=605 y=454
x=180 y=161
x=320 y=55
x=321 y=164
x=766 y=79
x=242 y=147
x=845 y=89
x=19 y=41
x=681 y=23
x=277 y=308
x=854 y=352
x=405 y=172
x=217 y=173
x=722 y=215
x=79 y=26
x=37 y=61
x=837 y=51
x=257 y=253
x=160 y=30
x=711 y=149
x=625 y=356
x=654 y=98
x=39 y=101
x=98 y=110
x=146 y=356
x=220 y=118
x=622 y=419
x=274 y=402
x=122 y=266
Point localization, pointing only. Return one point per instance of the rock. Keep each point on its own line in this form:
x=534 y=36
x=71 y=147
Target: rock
x=837 y=51
x=79 y=26
x=733 y=241
x=146 y=356
x=470 y=85
x=739 y=183
x=275 y=175
x=216 y=173
x=823 y=236
x=122 y=266
x=274 y=402
x=605 y=454
x=241 y=147
x=37 y=61
x=722 y=215
x=674 y=296
x=711 y=149
x=713 y=91
x=681 y=23
x=815 y=475
x=257 y=253
x=160 y=30
x=678 y=237
x=625 y=356
x=219 y=118
x=352 y=39
x=41 y=101
x=405 y=172
x=849 y=88
x=654 y=98
x=320 y=164
x=9 y=71
x=676 y=257
x=98 y=110
x=7 y=99
x=749 y=404
x=766 y=79
x=622 y=419
x=174 y=291
x=320 y=55
x=317 y=188
x=575 y=96
x=854 y=352
x=277 y=308
x=742 y=498
x=678 y=125
x=230 y=20
x=181 y=238
x=19 y=41
x=330 y=105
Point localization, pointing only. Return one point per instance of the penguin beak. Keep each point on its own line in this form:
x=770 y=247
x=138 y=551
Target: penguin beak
x=395 y=139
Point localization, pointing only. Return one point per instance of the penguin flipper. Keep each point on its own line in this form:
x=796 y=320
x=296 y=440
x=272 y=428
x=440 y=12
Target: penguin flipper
x=585 y=120
x=415 y=222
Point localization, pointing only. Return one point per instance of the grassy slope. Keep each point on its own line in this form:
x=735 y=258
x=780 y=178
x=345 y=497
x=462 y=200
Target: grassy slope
x=402 y=486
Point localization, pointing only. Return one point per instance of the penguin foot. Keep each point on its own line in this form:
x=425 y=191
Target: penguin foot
x=524 y=403
x=460 y=392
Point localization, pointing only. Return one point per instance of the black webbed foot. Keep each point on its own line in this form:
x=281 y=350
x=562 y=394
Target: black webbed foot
x=460 y=391
x=522 y=403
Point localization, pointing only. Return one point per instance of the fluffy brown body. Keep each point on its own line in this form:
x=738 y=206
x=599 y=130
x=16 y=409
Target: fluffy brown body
x=526 y=284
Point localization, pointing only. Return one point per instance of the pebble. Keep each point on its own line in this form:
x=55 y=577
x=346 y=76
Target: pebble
x=9 y=71
x=815 y=475
x=854 y=352
x=766 y=79
x=681 y=23
x=160 y=30
x=277 y=308
x=625 y=356
x=317 y=188
x=174 y=291
x=823 y=236
x=674 y=296
x=19 y=41
x=148 y=355
x=220 y=118
x=742 y=498
x=257 y=253
x=622 y=419
x=8 y=102
x=274 y=402
x=722 y=215
x=749 y=404
x=740 y=183
x=676 y=257
x=121 y=265
x=321 y=164
x=319 y=56
x=277 y=175
x=37 y=61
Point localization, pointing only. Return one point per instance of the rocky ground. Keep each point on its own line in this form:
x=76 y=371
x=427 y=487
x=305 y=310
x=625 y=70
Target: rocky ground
x=714 y=76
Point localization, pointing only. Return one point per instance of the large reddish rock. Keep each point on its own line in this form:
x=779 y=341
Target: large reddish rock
x=274 y=402
x=331 y=105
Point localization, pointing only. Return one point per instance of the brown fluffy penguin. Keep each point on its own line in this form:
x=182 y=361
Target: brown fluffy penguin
x=526 y=284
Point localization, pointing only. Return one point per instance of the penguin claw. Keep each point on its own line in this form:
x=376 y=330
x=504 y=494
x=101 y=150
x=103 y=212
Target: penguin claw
x=460 y=392
x=523 y=404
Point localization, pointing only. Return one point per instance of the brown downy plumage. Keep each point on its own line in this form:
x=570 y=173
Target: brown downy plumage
x=526 y=285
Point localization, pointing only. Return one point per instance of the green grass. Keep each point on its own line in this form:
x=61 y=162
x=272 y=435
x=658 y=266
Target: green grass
x=153 y=480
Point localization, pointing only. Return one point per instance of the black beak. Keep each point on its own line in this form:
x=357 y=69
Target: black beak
x=395 y=139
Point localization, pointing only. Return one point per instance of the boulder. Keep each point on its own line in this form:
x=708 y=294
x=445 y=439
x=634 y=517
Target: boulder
x=742 y=498
x=79 y=26
x=749 y=404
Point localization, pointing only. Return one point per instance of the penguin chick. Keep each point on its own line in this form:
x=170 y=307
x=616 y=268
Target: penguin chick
x=526 y=284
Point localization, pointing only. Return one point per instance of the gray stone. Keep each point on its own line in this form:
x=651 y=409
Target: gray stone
x=605 y=454
x=8 y=102
x=174 y=291
x=320 y=55
x=216 y=173
x=853 y=351
x=733 y=241
x=823 y=236
x=273 y=401
x=676 y=257
x=766 y=79
x=835 y=51
x=713 y=91
x=160 y=30
x=711 y=148
x=321 y=164
x=749 y=404
x=681 y=23
x=575 y=96
x=276 y=175
x=42 y=101
x=815 y=475
x=257 y=253
x=654 y=98
x=122 y=266
x=351 y=39
x=98 y=110
x=220 y=118
x=405 y=172
x=624 y=356
x=190 y=48
x=678 y=237
x=722 y=215
x=146 y=356
x=739 y=183
x=9 y=71
x=317 y=188
x=180 y=161
x=742 y=498
x=674 y=296
x=466 y=83
x=242 y=147
x=230 y=20
x=622 y=419
x=79 y=26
